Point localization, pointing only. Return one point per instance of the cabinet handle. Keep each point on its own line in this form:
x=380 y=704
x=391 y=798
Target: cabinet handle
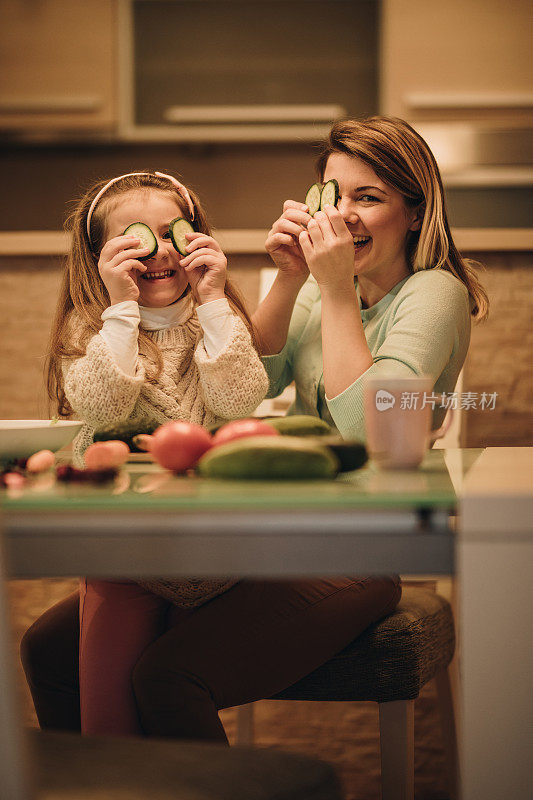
x=467 y=100
x=53 y=104
x=194 y=115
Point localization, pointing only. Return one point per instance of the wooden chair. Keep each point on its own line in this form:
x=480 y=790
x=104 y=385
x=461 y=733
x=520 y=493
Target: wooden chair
x=389 y=664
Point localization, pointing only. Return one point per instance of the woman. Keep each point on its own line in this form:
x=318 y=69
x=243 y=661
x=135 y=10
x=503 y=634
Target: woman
x=389 y=294
x=409 y=313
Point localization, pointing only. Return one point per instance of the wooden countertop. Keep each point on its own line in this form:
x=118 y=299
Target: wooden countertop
x=241 y=240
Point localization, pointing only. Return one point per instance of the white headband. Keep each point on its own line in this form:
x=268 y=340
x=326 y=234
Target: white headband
x=179 y=186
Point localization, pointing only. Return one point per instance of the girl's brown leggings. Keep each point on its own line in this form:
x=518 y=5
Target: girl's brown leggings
x=244 y=645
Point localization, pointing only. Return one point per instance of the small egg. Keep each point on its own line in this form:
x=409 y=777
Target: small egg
x=41 y=461
x=120 y=451
x=105 y=455
x=14 y=480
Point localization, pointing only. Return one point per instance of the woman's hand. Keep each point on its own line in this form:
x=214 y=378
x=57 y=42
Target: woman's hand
x=282 y=243
x=119 y=266
x=205 y=266
x=328 y=247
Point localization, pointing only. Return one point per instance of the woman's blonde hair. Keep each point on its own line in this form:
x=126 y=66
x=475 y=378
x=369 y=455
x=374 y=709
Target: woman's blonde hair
x=83 y=295
x=400 y=157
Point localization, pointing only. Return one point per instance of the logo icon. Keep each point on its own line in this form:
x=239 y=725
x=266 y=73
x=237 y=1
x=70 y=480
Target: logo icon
x=384 y=400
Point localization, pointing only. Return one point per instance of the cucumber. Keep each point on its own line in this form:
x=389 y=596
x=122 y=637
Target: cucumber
x=268 y=458
x=300 y=425
x=351 y=454
x=329 y=194
x=312 y=198
x=125 y=431
x=177 y=229
x=146 y=236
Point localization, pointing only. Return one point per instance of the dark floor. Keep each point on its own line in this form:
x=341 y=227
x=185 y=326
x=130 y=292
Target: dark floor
x=345 y=734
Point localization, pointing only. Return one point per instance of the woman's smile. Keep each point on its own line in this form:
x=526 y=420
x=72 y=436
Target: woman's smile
x=360 y=242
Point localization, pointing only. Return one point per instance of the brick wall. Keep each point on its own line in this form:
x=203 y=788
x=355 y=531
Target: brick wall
x=500 y=358
x=501 y=354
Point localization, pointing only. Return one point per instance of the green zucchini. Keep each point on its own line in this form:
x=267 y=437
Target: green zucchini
x=312 y=198
x=177 y=229
x=146 y=235
x=351 y=454
x=269 y=458
x=300 y=425
x=329 y=194
x=125 y=431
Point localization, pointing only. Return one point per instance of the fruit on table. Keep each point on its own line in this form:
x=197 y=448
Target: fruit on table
x=12 y=480
x=178 y=445
x=142 y=441
x=241 y=428
x=125 y=432
x=300 y=425
x=269 y=458
x=106 y=455
x=40 y=461
x=352 y=454
x=65 y=473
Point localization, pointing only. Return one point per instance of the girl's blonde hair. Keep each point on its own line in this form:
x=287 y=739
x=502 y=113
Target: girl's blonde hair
x=400 y=157
x=83 y=295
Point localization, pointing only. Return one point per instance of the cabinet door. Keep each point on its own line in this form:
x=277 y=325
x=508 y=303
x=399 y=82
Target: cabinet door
x=458 y=61
x=57 y=68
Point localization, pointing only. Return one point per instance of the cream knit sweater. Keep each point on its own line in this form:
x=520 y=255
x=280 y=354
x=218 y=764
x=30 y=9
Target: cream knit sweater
x=191 y=387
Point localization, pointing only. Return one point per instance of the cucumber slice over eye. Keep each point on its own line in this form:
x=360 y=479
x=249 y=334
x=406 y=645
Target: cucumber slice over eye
x=312 y=198
x=177 y=229
x=145 y=234
x=330 y=194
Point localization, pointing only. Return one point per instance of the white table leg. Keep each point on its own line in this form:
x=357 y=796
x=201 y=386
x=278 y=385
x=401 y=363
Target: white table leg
x=495 y=570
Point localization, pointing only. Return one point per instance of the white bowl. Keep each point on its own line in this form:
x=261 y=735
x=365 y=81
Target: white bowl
x=19 y=438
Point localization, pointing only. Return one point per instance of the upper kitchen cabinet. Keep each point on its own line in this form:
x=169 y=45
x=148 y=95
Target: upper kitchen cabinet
x=57 y=66
x=458 y=60
x=245 y=70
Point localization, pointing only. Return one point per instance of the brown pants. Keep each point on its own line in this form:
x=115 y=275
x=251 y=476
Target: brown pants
x=247 y=644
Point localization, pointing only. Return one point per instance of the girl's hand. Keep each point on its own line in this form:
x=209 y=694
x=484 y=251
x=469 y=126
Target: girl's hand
x=282 y=243
x=328 y=247
x=119 y=266
x=205 y=267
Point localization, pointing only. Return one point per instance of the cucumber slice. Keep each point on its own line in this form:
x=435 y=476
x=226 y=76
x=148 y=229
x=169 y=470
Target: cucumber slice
x=146 y=236
x=177 y=229
x=330 y=194
x=312 y=198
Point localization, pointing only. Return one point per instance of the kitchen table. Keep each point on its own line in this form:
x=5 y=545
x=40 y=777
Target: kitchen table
x=151 y=523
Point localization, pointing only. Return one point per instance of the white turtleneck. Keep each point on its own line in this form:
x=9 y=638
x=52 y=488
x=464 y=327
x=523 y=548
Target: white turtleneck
x=121 y=326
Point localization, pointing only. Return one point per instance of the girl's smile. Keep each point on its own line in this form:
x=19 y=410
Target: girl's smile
x=164 y=281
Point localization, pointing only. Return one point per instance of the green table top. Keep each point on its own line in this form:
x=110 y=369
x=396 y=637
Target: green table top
x=143 y=487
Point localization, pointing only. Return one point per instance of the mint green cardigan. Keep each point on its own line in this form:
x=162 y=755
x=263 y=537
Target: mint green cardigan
x=421 y=327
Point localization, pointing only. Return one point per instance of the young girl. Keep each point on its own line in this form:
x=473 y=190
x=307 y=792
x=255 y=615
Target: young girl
x=159 y=339
x=247 y=643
